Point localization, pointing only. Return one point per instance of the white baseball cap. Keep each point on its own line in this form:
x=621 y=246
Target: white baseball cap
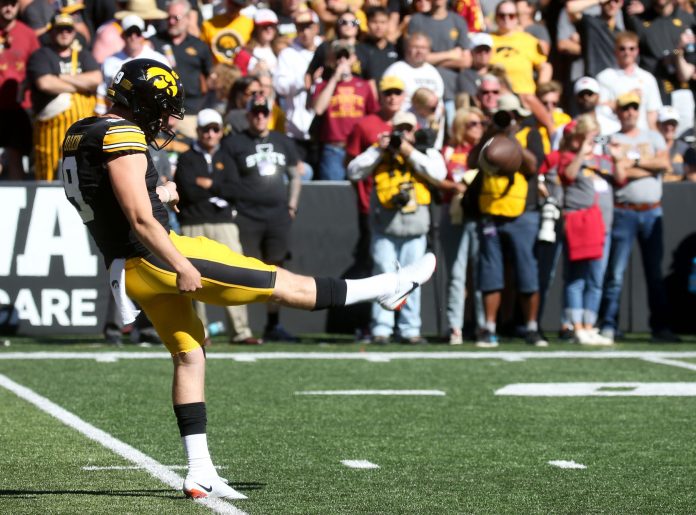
x=477 y=39
x=265 y=17
x=404 y=118
x=668 y=114
x=132 y=20
x=586 y=84
x=209 y=117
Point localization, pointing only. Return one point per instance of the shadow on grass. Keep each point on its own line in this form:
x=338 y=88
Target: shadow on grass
x=164 y=492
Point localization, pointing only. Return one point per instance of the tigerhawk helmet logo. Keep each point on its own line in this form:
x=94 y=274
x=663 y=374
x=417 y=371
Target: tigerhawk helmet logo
x=163 y=79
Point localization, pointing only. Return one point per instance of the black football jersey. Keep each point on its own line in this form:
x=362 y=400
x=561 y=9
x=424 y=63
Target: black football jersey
x=87 y=148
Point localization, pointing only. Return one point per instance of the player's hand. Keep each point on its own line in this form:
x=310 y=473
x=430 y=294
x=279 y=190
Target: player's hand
x=189 y=280
x=174 y=195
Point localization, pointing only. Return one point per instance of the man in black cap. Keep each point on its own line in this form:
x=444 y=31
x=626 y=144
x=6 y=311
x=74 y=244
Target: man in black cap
x=266 y=204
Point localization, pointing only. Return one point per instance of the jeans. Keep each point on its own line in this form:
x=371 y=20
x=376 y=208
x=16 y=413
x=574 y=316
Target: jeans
x=332 y=166
x=461 y=248
x=582 y=289
x=386 y=251
x=647 y=226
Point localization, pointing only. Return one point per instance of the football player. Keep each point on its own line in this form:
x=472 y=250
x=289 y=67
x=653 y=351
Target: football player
x=110 y=179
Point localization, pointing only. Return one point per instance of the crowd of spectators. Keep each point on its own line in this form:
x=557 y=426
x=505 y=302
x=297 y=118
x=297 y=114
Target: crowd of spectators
x=599 y=94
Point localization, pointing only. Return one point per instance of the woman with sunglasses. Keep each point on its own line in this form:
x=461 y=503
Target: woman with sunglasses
x=518 y=52
x=458 y=236
x=347 y=30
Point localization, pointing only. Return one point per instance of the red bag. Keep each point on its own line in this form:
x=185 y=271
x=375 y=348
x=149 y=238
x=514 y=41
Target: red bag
x=585 y=233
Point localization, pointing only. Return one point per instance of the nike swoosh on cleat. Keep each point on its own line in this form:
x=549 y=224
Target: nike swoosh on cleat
x=207 y=489
x=405 y=295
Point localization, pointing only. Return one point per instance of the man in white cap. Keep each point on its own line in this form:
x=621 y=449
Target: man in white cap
x=667 y=125
x=205 y=184
x=289 y=83
x=399 y=205
x=586 y=91
x=136 y=47
x=469 y=79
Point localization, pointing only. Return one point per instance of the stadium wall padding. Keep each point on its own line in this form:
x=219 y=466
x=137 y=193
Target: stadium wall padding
x=54 y=278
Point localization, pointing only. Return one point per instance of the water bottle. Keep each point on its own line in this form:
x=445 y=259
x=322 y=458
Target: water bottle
x=692 y=277
x=690 y=48
x=215 y=328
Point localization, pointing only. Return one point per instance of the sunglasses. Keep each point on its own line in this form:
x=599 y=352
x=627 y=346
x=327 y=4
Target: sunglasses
x=510 y=16
x=474 y=123
x=630 y=106
x=354 y=23
x=258 y=111
x=132 y=32
x=390 y=92
x=628 y=48
x=65 y=28
x=214 y=128
x=490 y=92
x=175 y=17
x=303 y=26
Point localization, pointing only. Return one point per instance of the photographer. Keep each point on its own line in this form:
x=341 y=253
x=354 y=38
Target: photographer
x=510 y=220
x=401 y=169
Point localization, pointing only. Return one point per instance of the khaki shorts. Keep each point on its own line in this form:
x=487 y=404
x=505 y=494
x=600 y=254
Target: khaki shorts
x=228 y=279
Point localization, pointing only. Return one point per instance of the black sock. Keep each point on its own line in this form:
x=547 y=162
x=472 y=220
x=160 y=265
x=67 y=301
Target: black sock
x=272 y=320
x=191 y=418
x=331 y=293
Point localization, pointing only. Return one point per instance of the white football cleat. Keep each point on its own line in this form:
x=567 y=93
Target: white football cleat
x=211 y=487
x=408 y=279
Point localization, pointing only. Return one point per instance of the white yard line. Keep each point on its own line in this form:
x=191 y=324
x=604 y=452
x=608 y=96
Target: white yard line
x=359 y=464
x=103 y=438
x=112 y=356
x=428 y=393
x=564 y=464
x=135 y=467
x=670 y=362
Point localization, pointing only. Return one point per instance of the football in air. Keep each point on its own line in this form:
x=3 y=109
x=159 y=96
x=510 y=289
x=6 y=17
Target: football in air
x=500 y=155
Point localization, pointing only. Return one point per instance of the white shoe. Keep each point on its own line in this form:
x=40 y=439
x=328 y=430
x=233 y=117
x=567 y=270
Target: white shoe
x=408 y=279
x=210 y=487
x=591 y=337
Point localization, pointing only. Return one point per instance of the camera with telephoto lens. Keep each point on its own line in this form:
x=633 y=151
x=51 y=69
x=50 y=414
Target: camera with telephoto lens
x=401 y=199
x=395 y=139
x=502 y=119
x=550 y=213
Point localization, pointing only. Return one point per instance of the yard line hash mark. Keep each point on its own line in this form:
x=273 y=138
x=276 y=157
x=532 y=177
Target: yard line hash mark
x=427 y=393
x=624 y=389
x=103 y=438
x=137 y=467
x=563 y=464
x=359 y=464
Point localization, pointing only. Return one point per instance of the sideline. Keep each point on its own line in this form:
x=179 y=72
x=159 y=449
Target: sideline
x=376 y=357
x=103 y=438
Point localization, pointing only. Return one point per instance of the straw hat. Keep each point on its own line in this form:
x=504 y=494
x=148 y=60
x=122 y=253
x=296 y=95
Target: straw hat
x=146 y=9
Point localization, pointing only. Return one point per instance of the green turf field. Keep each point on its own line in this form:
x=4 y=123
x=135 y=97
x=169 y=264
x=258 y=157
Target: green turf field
x=459 y=449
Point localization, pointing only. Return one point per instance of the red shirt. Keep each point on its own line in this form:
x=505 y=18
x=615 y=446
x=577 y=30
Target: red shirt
x=351 y=100
x=363 y=135
x=17 y=45
x=456 y=164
